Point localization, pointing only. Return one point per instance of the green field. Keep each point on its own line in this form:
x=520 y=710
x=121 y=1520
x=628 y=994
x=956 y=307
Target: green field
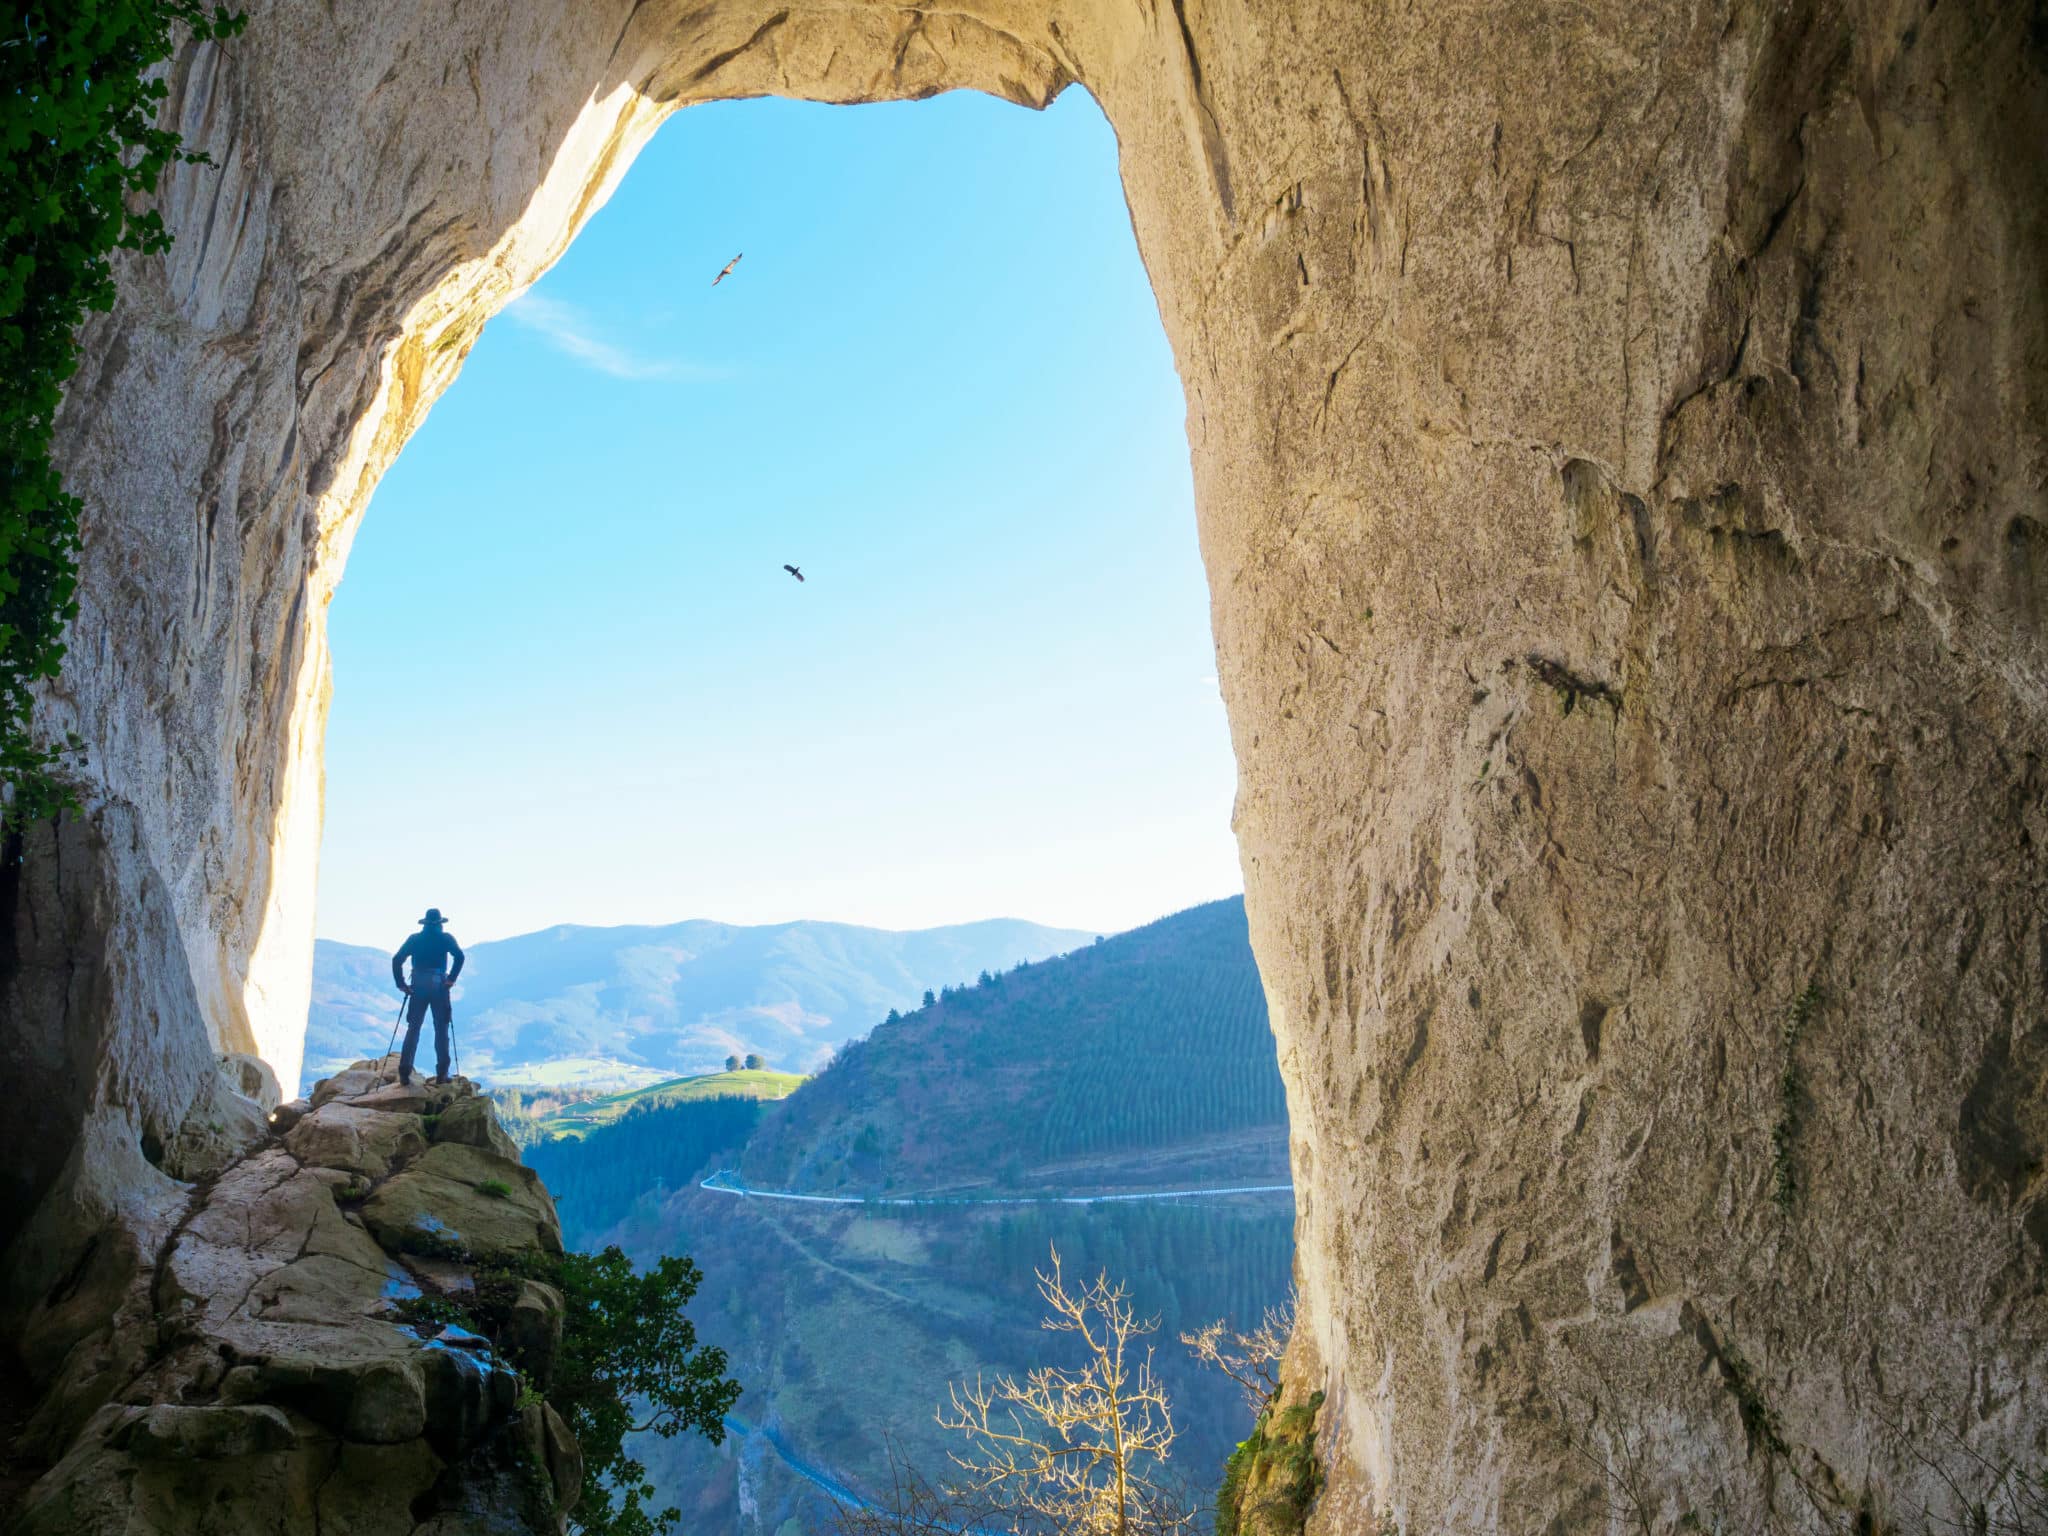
x=578 y=1120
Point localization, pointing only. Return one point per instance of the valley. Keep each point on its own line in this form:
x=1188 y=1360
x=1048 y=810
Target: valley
x=1114 y=1103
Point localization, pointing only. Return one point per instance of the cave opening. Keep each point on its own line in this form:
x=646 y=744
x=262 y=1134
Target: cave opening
x=580 y=699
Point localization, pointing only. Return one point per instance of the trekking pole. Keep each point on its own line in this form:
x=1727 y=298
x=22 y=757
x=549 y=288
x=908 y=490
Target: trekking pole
x=394 y=1032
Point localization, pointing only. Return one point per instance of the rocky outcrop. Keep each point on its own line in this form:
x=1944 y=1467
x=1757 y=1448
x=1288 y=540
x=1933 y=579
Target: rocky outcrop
x=1618 y=431
x=278 y=1364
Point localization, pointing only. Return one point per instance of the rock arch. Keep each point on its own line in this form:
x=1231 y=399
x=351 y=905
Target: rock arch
x=1618 y=435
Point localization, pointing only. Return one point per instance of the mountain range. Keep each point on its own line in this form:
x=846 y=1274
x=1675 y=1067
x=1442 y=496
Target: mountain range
x=608 y=1007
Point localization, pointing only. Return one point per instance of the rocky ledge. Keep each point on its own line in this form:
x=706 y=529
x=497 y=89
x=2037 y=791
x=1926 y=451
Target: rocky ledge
x=285 y=1366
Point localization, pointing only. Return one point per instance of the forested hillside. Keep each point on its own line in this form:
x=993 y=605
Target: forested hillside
x=1140 y=1063
x=1155 y=1037
x=646 y=1153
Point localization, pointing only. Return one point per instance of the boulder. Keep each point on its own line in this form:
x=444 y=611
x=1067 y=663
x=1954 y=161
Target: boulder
x=156 y=1470
x=472 y=1121
x=178 y=1432
x=372 y=1488
x=533 y=1330
x=468 y=1389
x=411 y=1098
x=221 y=1127
x=343 y=1133
x=564 y=1458
x=356 y=1080
x=388 y=1404
x=373 y=1388
x=547 y=1440
x=289 y=1114
x=443 y=1277
x=251 y=1077
x=455 y=1200
x=502 y=1489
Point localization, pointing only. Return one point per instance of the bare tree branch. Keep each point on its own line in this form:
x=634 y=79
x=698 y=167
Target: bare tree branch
x=1252 y=1360
x=1077 y=1452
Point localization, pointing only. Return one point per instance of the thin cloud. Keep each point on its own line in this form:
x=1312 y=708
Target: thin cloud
x=571 y=332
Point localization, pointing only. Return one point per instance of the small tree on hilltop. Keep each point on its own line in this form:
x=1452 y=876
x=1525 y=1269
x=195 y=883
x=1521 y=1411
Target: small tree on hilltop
x=732 y=1063
x=755 y=1064
x=929 y=1000
x=1079 y=1452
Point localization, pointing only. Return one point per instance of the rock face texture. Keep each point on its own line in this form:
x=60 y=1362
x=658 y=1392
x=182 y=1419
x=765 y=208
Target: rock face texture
x=1618 y=431
x=268 y=1368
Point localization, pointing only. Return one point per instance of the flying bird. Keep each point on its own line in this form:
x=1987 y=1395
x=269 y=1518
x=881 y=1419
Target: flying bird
x=726 y=270
x=799 y=575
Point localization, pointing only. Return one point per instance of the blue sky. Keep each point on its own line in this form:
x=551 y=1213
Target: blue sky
x=572 y=682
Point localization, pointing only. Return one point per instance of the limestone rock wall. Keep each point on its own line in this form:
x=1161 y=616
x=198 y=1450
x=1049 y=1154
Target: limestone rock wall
x=1618 y=436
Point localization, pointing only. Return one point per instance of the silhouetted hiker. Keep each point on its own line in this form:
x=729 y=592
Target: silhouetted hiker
x=430 y=950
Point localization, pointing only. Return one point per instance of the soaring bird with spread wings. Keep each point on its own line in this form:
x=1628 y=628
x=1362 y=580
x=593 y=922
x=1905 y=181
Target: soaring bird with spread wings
x=799 y=575
x=726 y=271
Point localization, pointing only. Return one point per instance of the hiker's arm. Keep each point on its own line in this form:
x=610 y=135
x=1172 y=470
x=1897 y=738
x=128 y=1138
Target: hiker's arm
x=456 y=969
x=398 y=966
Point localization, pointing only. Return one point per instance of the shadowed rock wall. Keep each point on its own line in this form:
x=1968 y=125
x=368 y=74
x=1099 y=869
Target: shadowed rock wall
x=1618 y=433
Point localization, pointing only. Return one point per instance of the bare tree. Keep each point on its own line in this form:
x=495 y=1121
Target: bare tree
x=1252 y=1360
x=1074 y=1452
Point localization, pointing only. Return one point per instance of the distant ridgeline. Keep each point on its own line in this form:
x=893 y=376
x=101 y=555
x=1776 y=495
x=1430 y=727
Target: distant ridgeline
x=1151 y=1038
x=576 y=1007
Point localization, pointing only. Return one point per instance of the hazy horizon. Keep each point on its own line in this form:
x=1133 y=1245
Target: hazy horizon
x=467 y=938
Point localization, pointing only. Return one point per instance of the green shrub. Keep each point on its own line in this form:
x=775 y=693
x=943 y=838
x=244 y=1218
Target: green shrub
x=1271 y=1480
x=629 y=1363
x=497 y=1189
x=79 y=149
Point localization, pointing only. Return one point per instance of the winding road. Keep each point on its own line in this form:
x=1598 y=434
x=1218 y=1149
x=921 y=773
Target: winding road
x=726 y=1182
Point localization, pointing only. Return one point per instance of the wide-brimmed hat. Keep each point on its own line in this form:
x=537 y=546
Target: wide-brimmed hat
x=433 y=916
